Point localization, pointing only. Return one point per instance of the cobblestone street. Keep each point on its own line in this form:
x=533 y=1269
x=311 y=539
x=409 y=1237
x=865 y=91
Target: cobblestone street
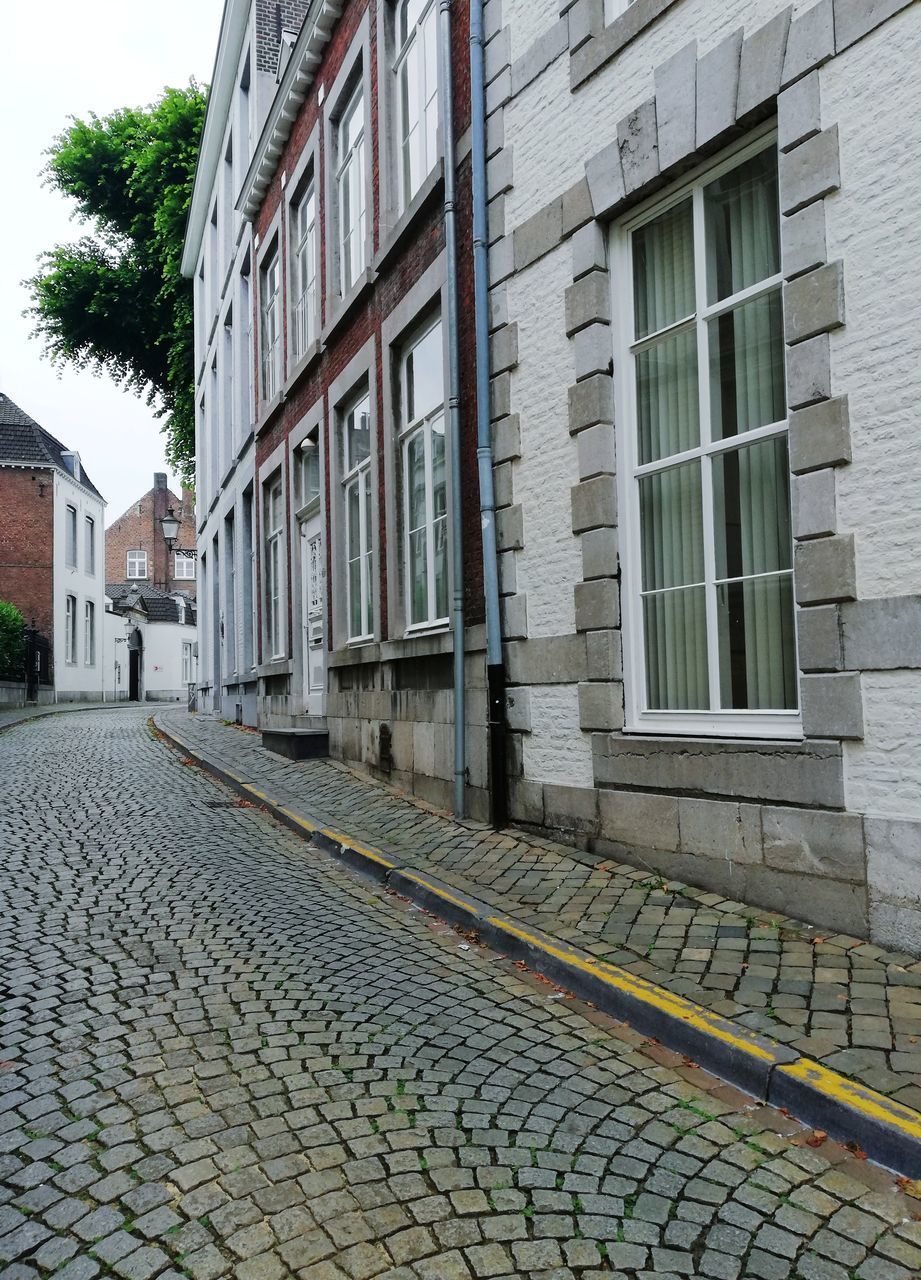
x=223 y=1055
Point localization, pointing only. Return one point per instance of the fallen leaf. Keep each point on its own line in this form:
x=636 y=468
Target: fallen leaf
x=911 y=1187
x=816 y=1138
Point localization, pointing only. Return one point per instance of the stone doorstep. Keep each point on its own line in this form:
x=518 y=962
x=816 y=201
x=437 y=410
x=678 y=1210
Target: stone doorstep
x=887 y=1131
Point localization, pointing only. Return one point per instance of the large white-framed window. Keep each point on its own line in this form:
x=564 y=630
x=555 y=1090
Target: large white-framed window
x=89 y=633
x=416 y=74
x=273 y=515
x=307 y=470
x=70 y=536
x=425 y=492
x=270 y=325
x=355 y=453
x=70 y=629
x=708 y=583
x=136 y=564
x=350 y=189
x=183 y=566
x=187 y=662
x=89 y=535
x=303 y=239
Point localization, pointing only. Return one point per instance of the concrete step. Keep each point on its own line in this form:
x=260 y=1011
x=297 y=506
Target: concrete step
x=297 y=744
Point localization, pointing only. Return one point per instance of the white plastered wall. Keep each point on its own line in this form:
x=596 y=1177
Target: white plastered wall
x=872 y=224
x=77 y=680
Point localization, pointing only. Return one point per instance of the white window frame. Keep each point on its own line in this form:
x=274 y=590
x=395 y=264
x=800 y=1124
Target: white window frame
x=187 y=561
x=140 y=560
x=70 y=630
x=304 y=242
x=187 y=662
x=723 y=723
x=351 y=227
x=70 y=536
x=89 y=633
x=89 y=534
x=424 y=426
x=270 y=326
x=410 y=56
x=274 y=630
x=614 y=8
x=358 y=476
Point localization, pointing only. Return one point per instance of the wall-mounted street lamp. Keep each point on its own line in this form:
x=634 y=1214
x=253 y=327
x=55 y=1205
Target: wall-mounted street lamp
x=170 y=526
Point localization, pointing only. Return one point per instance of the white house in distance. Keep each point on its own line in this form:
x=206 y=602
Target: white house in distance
x=151 y=647
x=51 y=555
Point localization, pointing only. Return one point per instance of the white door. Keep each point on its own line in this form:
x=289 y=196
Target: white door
x=313 y=595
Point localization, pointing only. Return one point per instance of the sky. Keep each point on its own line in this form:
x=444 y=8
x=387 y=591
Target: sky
x=65 y=59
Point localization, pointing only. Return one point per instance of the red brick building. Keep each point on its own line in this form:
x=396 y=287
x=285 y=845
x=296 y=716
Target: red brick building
x=333 y=543
x=51 y=522
x=136 y=549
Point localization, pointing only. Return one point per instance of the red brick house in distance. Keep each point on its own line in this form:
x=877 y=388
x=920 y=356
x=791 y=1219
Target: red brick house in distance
x=347 y=511
x=136 y=550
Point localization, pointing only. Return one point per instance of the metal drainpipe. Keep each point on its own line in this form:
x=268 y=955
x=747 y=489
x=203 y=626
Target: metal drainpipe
x=457 y=540
x=495 y=669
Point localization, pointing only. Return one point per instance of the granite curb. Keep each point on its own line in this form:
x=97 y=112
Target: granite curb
x=886 y=1131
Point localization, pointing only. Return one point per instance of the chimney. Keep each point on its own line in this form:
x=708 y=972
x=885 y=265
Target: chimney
x=159 y=479
x=161 y=566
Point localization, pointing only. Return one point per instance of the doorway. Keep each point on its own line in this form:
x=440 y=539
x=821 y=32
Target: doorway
x=134 y=675
x=313 y=597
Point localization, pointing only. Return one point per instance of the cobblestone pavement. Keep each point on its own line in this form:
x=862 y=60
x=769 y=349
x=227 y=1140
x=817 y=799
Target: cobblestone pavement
x=10 y=716
x=223 y=1055
x=843 y=1002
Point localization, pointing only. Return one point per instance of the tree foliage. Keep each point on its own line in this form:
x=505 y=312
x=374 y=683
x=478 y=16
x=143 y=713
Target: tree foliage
x=115 y=299
x=12 y=648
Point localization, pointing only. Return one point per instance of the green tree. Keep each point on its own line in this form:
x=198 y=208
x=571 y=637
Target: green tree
x=12 y=649
x=115 y=299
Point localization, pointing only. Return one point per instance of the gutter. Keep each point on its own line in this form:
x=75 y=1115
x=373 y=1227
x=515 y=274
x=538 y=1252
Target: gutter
x=457 y=541
x=495 y=668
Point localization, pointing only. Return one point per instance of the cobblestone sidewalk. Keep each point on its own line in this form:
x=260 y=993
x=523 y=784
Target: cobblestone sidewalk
x=841 y=1001
x=10 y=716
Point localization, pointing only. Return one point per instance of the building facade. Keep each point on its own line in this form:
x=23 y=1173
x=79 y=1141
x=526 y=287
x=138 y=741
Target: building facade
x=136 y=550
x=151 y=644
x=327 y=565
x=703 y=223
x=51 y=552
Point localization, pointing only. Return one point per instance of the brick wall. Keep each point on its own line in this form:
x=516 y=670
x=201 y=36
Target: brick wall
x=138 y=529
x=26 y=544
x=270 y=16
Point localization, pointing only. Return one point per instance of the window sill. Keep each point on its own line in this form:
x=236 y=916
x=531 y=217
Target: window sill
x=396 y=233
x=277 y=667
x=419 y=644
x=766 y=729
x=615 y=36
x=267 y=410
x=355 y=652
x=300 y=366
x=340 y=308
x=309 y=509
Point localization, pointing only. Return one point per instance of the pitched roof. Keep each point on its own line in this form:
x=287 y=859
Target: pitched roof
x=161 y=606
x=24 y=443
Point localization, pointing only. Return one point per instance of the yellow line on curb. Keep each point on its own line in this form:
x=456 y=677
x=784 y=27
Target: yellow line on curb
x=848 y=1093
x=857 y=1097
x=640 y=989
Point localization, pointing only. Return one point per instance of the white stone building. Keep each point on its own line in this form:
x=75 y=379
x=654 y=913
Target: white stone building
x=217 y=255
x=151 y=650
x=705 y=387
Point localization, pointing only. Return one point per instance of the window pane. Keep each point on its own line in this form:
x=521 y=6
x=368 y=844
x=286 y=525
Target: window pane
x=747 y=387
x=415 y=480
x=353 y=518
x=369 y=589
x=751 y=498
x=358 y=434
x=676 y=651
x=757 y=645
x=743 y=226
x=671 y=519
x=439 y=484
x=418 y=585
x=424 y=376
x=667 y=399
x=355 y=627
x=663 y=269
